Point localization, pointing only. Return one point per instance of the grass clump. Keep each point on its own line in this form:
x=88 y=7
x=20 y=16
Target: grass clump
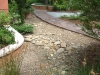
x=11 y=65
x=71 y=17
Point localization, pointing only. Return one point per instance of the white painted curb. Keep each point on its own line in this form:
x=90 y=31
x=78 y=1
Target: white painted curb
x=19 y=40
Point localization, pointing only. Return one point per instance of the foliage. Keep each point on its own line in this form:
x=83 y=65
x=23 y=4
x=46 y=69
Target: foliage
x=31 y=1
x=91 y=11
x=24 y=28
x=21 y=9
x=4 y=18
x=75 y=4
x=28 y=9
x=13 y=7
x=6 y=39
x=15 y=19
x=60 y=5
x=71 y=17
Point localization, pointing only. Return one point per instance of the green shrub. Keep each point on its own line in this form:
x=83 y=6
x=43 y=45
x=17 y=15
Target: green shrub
x=60 y=5
x=6 y=39
x=5 y=18
x=71 y=17
x=24 y=29
x=21 y=9
x=75 y=4
x=13 y=7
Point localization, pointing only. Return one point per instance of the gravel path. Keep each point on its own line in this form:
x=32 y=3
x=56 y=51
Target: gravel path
x=51 y=47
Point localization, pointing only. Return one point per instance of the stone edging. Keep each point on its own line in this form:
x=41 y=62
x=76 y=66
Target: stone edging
x=42 y=14
x=19 y=40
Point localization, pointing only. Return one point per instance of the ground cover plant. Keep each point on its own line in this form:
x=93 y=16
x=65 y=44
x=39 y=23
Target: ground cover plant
x=18 y=18
x=8 y=38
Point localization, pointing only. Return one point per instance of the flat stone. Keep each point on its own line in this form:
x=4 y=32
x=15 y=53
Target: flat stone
x=56 y=47
x=39 y=44
x=33 y=42
x=63 y=72
x=47 y=48
x=60 y=50
x=28 y=36
x=69 y=48
x=63 y=44
x=28 y=39
x=45 y=41
x=36 y=37
x=57 y=43
x=76 y=47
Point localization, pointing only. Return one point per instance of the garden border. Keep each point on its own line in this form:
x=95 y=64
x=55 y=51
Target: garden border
x=19 y=40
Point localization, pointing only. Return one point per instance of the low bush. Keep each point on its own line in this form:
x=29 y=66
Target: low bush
x=60 y=5
x=6 y=39
x=71 y=17
x=24 y=29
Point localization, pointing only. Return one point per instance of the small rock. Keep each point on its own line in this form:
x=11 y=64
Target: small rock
x=56 y=47
x=45 y=41
x=68 y=48
x=60 y=50
x=76 y=47
x=36 y=37
x=28 y=36
x=28 y=39
x=38 y=43
x=57 y=43
x=63 y=44
x=63 y=72
x=33 y=42
x=51 y=45
x=47 y=48
x=51 y=54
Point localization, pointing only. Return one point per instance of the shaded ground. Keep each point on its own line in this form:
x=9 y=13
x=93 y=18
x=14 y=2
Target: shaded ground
x=48 y=55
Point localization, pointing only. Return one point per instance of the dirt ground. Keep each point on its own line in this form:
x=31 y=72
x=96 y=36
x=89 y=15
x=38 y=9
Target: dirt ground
x=52 y=54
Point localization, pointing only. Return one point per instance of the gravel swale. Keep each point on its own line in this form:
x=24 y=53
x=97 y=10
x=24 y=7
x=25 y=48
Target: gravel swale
x=53 y=48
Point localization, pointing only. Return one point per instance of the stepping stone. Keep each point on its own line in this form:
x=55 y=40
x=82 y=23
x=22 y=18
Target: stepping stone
x=60 y=50
x=28 y=39
x=63 y=45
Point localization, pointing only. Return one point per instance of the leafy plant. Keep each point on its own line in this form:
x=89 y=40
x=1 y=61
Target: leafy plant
x=5 y=18
x=21 y=9
x=60 y=5
x=28 y=9
x=13 y=7
x=24 y=28
x=6 y=39
x=71 y=17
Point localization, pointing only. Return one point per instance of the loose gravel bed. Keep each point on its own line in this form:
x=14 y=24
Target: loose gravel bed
x=51 y=48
